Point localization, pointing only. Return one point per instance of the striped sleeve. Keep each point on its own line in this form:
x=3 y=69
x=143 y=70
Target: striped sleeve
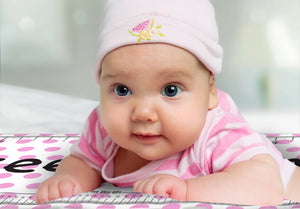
x=231 y=139
x=91 y=146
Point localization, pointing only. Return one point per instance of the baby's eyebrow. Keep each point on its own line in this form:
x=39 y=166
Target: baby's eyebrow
x=108 y=76
x=111 y=76
x=161 y=74
x=176 y=74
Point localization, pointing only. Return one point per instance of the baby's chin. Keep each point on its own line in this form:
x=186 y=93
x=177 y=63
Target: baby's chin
x=155 y=155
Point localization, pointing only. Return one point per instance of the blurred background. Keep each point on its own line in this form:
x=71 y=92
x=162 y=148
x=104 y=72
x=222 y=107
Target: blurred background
x=50 y=46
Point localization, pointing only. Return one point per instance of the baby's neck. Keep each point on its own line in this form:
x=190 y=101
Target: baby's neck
x=127 y=162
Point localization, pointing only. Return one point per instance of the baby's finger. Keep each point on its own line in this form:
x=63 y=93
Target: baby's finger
x=175 y=189
x=137 y=185
x=140 y=185
x=149 y=185
x=53 y=191
x=66 y=188
x=41 y=195
x=77 y=189
x=161 y=188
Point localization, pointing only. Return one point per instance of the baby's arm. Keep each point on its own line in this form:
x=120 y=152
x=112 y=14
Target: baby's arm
x=254 y=182
x=292 y=190
x=72 y=176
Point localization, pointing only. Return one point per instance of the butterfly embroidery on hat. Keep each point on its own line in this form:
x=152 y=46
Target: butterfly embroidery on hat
x=146 y=30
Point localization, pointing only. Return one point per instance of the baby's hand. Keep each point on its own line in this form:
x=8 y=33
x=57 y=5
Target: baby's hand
x=56 y=187
x=163 y=185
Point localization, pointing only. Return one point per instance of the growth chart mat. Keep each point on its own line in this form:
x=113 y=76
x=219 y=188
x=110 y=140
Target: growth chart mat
x=27 y=160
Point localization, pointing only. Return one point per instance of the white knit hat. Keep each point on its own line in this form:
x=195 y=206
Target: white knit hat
x=189 y=24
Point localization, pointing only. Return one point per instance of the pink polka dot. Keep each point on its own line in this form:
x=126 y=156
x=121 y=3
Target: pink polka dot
x=284 y=141
x=172 y=206
x=3 y=165
x=140 y=206
x=159 y=197
x=293 y=149
x=10 y=207
x=31 y=197
x=7 y=196
x=32 y=175
x=272 y=135
x=50 y=141
x=296 y=206
x=74 y=206
x=52 y=149
x=133 y=195
x=3 y=156
x=106 y=207
x=33 y=186
x=72 y=135
x=204 y=206
x=42 y=207
x=72 y=141
x=46 y=134
x=20 y=135
x=55 y=157
x=29 y=167
x=268 y=207
x=296 y=134
x=25 y=149
x=100 y=195
x=2 y=148
x=234 y=207
x=5 y=175
x=6 y=185
x=24 y=141
x=27 y=157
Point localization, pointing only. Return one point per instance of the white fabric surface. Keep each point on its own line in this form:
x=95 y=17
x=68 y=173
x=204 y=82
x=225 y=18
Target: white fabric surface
x=24 y=110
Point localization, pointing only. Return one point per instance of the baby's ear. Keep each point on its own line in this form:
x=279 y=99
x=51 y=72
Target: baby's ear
x=213 y=95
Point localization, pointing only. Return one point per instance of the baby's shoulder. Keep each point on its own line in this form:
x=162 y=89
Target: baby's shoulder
x=227 y=104
x=226 y=116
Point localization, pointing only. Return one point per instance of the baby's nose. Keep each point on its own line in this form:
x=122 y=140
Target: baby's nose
x=144 y=111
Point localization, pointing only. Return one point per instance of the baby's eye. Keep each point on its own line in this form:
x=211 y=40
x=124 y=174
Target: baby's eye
x=171 y=91
x=122 y=91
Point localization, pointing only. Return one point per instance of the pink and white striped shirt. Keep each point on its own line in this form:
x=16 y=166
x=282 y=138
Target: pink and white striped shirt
x=225 y=139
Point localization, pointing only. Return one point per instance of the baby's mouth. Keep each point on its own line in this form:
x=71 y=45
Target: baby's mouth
x=147 y=138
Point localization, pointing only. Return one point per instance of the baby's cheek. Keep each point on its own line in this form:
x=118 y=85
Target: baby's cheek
x=188 y=130
x=108 y=121
x=115 y=125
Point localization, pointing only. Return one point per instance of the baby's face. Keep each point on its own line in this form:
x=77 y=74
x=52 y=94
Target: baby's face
x=154 y=99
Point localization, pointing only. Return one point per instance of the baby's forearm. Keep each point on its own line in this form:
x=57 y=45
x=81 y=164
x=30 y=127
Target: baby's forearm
x=88 y=177
x=252 y=182
x=220 y=188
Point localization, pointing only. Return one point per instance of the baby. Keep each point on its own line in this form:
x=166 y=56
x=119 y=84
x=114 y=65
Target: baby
x=162 y=126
